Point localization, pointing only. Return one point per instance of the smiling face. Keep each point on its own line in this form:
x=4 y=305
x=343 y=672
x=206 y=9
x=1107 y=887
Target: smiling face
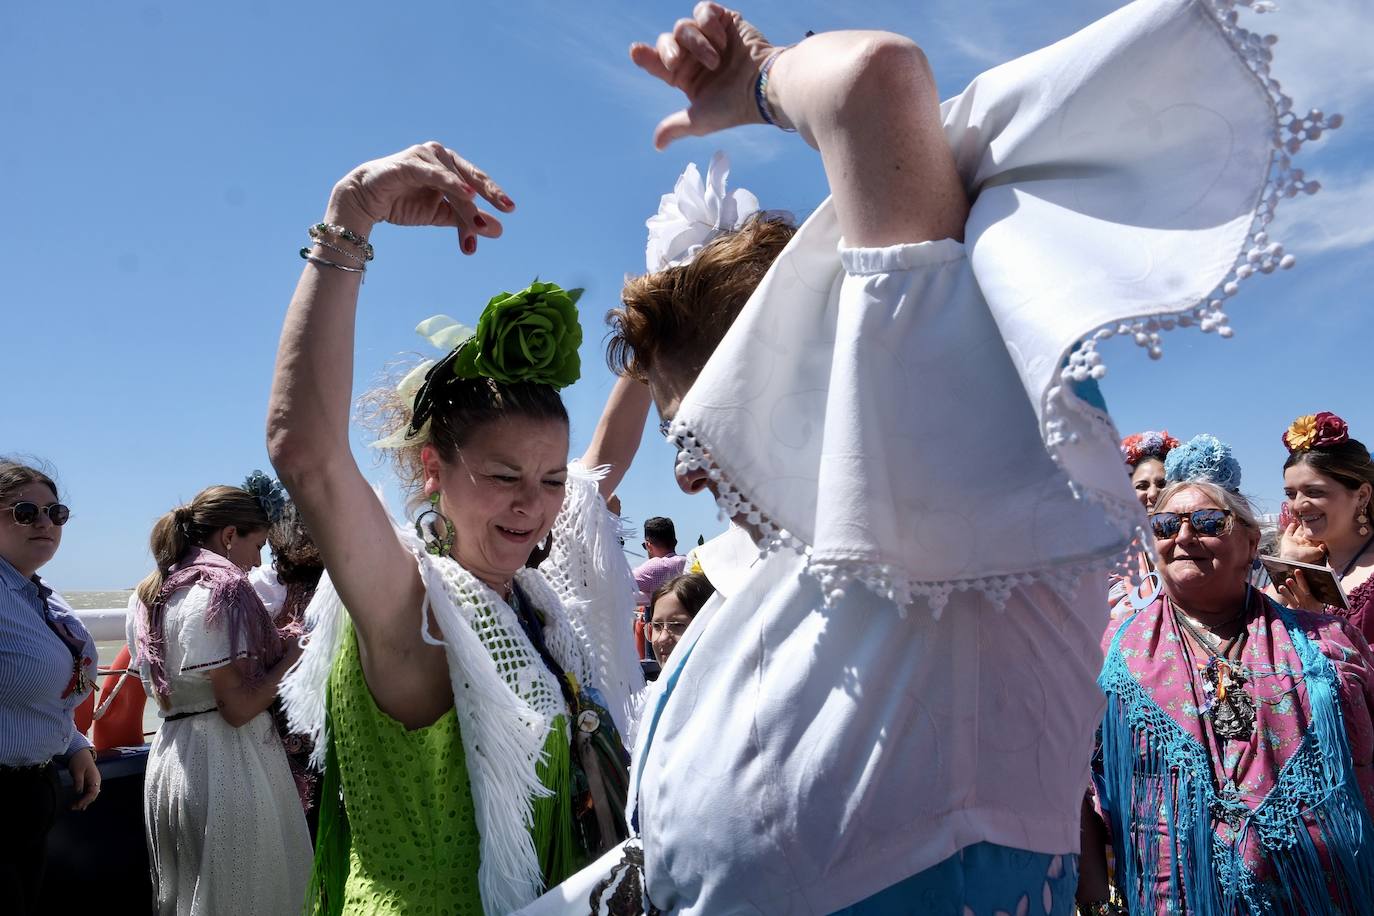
x=1147 y=480
x=1205 y=573
x=1323 y=507
x=28 y=547
x=501 y=492
x=669 y=623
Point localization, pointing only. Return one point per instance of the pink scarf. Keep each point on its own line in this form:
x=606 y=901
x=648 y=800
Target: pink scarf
x=232 y=601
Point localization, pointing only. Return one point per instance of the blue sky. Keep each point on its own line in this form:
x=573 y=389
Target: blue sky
x=162 y=162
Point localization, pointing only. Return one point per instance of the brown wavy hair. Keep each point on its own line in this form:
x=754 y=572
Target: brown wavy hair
x=1348 y=463
x=683 y=312
x=690 y=589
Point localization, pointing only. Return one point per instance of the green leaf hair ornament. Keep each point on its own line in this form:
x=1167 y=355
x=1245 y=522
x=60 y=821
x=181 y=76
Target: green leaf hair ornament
x=531 y=336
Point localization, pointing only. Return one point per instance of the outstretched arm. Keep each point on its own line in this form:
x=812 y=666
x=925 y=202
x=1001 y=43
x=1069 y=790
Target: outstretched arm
x=618 y=432
x=307 y=422
x=866 y=100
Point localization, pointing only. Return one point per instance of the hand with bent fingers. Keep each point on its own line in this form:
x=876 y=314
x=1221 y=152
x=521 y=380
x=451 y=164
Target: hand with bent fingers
x=1294 y=546
x=714 y=58
x=425 y=185
x=85 y=778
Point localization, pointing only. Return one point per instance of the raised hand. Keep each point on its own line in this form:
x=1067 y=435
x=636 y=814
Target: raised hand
x=425 y=185
x=714 y=58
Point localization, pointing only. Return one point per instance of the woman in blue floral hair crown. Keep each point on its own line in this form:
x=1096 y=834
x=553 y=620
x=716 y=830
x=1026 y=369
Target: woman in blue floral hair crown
x=467 y=709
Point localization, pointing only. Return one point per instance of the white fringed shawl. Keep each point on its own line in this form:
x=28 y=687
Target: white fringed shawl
x=506 y=708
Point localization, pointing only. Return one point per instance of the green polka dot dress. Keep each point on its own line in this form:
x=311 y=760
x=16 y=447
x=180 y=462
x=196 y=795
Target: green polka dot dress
x=402 y=838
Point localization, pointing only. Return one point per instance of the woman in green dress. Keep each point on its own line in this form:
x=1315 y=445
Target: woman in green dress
x=467 y=708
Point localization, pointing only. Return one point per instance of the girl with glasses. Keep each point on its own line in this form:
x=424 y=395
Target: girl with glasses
x=673 y=607
x=47 y=667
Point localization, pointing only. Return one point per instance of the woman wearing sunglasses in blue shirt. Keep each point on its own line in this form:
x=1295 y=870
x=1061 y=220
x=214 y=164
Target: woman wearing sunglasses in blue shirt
x=47 y=667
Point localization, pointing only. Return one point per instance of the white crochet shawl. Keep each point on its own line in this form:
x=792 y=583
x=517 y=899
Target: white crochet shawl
x=505 y=696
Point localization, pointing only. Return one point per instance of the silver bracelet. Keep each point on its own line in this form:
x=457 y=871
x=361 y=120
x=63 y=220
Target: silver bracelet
x=357 y=259
x=325 y=262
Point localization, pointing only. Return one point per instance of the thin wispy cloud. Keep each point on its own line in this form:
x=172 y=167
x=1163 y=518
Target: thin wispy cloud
x=1335 y=219
x=1323 y=54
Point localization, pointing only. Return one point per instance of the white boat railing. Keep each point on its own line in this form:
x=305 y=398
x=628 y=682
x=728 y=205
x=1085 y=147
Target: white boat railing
x=105 y=624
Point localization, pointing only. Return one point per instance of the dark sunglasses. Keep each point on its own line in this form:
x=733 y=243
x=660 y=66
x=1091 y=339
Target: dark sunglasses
x=1208 y=523
x=27 y=513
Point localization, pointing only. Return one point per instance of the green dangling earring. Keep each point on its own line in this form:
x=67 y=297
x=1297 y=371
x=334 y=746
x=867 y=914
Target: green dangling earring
x=435 y=544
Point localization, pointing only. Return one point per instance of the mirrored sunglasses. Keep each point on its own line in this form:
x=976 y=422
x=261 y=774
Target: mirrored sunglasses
x=1208 y=523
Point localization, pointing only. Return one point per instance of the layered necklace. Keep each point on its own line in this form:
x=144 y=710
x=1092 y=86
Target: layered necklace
x=1229 y=705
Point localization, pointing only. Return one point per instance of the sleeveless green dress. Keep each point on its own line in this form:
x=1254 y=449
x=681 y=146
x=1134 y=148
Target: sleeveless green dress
x=398 y=833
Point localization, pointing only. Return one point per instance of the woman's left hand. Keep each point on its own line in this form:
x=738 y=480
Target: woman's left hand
x=1294 y=545
x=714 y=58
x=1295 y=594
x=85 y=777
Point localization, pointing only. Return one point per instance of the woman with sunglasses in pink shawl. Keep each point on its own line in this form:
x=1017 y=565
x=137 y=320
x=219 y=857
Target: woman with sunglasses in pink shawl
x=1237 y=762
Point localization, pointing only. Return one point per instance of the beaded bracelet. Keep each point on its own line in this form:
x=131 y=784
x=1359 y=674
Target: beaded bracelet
x=761 y=93
x=325 y=262
x=343 y=232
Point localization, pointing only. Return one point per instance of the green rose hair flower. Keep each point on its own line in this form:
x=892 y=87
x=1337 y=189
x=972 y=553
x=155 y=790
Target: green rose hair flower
x=529 y=336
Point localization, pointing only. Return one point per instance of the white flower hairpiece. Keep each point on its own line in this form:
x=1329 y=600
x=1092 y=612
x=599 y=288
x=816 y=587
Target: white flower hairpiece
x=695 y=213
x=444 y=333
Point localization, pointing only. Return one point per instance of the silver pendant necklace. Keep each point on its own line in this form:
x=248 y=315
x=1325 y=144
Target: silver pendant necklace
x=1229 y=705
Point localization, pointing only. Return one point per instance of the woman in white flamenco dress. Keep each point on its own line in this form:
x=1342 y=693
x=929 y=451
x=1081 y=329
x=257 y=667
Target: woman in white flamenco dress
x=893 y=710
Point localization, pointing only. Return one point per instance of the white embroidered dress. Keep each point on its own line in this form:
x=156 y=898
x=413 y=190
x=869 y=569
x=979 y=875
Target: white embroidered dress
x=505 y=696
x=225 y=829
x=914 y=432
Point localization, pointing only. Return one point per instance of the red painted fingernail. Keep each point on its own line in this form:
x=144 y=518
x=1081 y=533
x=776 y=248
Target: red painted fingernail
x=507 y=201
x=469 y=244
x=479 y=222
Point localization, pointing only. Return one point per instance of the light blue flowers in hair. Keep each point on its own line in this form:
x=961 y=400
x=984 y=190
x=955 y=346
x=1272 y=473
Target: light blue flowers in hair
x=269 y=493
x=1206 y=458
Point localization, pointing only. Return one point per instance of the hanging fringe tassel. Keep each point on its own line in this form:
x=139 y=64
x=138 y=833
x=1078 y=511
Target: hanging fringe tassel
x=553 y=818
x=333 y=840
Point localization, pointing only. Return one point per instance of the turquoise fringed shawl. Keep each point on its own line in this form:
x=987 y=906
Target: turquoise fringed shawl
x=1155 y=773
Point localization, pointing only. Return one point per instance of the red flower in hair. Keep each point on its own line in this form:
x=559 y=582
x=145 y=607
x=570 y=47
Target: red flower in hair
x=1331 y=430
